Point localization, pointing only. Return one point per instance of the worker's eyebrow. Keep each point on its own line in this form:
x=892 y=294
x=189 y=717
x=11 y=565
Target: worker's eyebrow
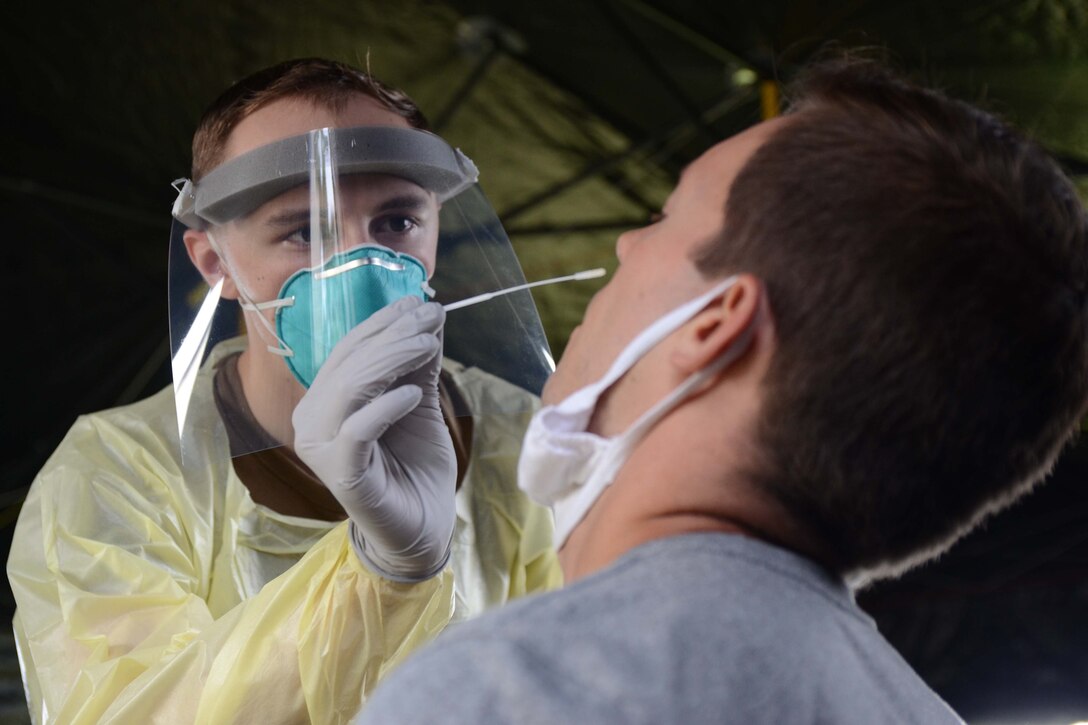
x=289 y=218
x=407 y=202
x=410 y=202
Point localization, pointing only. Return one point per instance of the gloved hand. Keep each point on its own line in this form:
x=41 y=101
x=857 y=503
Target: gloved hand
x=371 y=428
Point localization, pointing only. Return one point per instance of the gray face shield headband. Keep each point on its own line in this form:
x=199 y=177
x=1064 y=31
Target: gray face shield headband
x=243 y=184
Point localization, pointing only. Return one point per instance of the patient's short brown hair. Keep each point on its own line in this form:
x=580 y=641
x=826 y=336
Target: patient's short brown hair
x=926 y=267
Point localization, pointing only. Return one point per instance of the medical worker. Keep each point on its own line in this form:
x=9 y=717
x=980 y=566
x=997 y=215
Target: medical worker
x=264 y=539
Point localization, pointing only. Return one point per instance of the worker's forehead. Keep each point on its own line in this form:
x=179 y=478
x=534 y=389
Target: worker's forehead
x=289 y=117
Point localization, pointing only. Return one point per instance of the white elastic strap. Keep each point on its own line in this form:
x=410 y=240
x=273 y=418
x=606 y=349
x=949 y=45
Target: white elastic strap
x=587 y=397
x=281 y=348
x=693 y=381
x=247 y=303
x=270 y=305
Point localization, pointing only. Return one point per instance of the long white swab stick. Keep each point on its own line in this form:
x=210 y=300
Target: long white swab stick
x=588 y=274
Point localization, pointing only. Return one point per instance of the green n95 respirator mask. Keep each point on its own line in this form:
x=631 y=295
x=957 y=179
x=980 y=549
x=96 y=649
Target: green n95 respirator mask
x=357 y=283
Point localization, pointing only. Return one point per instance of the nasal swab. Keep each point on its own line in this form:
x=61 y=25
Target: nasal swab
x=588 y=274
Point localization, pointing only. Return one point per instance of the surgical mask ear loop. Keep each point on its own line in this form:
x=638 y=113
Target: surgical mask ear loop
x=690 y=384
x=247 y=303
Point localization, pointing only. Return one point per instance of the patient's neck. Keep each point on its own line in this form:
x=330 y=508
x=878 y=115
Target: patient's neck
x=677 y=483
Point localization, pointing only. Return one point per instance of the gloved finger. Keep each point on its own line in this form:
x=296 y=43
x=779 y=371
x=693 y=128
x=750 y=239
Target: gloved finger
x=388 y=315
x=367 y=363
x=369 y=332
x=405 y=317
x=379 y=356
x=426 y=319
x=334 y=397
x=370 y=422
x=426 y=375
x=358 y=385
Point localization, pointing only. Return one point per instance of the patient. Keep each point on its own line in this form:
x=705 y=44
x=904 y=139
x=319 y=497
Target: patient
x=855 y=332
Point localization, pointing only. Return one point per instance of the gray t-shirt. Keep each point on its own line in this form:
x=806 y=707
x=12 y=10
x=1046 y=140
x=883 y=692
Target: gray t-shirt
x=703 y=628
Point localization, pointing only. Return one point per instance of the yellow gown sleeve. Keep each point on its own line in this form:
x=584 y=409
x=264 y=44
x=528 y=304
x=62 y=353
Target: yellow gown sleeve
x=540 y=564
x=513 y=537
x=112 y=624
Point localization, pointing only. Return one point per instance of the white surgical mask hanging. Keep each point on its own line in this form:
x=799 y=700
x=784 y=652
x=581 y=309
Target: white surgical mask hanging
x=564 y=466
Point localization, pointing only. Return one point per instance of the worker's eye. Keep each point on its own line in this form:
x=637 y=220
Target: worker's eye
x=394 y=224
x=300 y=236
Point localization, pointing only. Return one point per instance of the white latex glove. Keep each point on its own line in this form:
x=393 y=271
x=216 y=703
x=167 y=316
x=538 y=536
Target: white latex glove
x=371 y=428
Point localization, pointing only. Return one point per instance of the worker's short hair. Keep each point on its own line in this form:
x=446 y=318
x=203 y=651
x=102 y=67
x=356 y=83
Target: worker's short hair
x=325 y=83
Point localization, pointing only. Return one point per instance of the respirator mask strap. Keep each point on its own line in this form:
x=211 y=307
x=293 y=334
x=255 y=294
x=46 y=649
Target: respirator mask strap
x=246 y=302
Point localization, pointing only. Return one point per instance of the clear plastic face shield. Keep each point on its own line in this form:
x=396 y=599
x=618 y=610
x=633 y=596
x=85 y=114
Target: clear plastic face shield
x=297 y=242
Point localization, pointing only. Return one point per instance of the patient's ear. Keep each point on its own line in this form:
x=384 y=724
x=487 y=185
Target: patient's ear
x=711 y=332
x=208 y=262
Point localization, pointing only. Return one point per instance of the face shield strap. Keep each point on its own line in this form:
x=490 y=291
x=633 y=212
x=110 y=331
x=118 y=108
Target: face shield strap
x=244 y=183
x=186 y=198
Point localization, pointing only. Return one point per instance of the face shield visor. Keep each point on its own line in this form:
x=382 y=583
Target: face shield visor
x=303 y=239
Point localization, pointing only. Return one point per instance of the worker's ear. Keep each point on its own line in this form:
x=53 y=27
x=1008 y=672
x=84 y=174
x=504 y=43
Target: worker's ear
x=711 y=332
x=208 y=262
